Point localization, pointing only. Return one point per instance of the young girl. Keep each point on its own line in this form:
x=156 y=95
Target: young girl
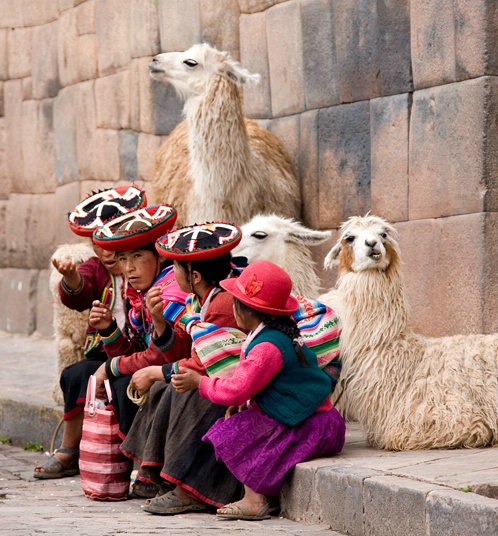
x=288 y=415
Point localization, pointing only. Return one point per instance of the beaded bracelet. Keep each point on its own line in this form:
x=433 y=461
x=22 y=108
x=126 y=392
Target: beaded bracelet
x=69 y=290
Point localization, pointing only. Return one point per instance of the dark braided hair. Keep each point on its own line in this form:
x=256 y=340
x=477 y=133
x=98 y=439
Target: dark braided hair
x=285 y=324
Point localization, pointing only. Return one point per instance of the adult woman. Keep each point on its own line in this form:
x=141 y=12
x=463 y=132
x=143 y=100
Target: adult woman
x=166 y=435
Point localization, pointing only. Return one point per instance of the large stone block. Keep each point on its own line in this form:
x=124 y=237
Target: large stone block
x=112 y=99
x=18 y=290
x=253 y=6
x=155 y=107
x=13 y=125
x=144 y=28
x=128 y=141
x=220 y=25
x=67 y=48
x=113 y=35
x=5 y=183
x=299 y=495
x=254 y=57
x=308 y=168
x=389 y=123
x=461 y=514
x=147 y=147
x=38 y=147
x=85 y=17
x=107 y=164
x=19 y=52
x=321 y=70
x=451 y=141
x=11 y=14
x=43 y=313
x=179 y=24
x=45 y=78
x=286 y=130
x=86 y=129
x=87 y=57
x=343 y=162
x=65 y=4
x=39 y=12
x=4 y=61
x=285 y=53
x=66 y=162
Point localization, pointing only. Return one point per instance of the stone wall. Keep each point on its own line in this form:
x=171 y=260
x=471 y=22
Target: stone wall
x=388 y=106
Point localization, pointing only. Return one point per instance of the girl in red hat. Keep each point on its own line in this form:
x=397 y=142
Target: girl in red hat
x=280 y=410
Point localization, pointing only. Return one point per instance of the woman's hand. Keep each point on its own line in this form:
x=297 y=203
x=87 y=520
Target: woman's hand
x=100 y=375
x=186 y=380
x=100 y=316
x=143 y=379
x=232 y=410
x=155 y=305
x=69 y=271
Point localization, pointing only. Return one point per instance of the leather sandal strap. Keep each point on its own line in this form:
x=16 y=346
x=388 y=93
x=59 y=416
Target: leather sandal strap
x=68 y=450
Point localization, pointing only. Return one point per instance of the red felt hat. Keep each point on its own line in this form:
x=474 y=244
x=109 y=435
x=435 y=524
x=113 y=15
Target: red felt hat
x=264 y=286
x=136 y=229
x=199 y=242
x=98 y=208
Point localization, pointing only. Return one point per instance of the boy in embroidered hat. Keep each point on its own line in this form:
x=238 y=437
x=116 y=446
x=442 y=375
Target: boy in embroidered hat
x=166 y=435
x=97 y=279
x=289 y=417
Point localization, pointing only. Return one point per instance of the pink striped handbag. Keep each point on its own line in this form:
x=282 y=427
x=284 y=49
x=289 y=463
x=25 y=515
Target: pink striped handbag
x=104 y=469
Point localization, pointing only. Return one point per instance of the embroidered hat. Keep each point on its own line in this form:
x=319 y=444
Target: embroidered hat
x=199 y=242
x=264 y=286
x=136 y=229
x=98 y=208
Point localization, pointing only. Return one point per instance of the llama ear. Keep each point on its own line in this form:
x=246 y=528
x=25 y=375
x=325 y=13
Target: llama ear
x=235 y=73
x=332 y=256
x=309 y=237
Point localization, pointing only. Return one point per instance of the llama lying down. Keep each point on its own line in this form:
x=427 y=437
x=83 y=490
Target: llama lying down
x=408 y=391
x=217 y=164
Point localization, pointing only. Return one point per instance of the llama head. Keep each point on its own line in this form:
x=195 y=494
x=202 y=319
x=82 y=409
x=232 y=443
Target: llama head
x=268 y=237
x=366 y=243
x=190 y=72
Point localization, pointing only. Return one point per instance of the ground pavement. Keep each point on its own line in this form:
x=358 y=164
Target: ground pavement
x=361 y=492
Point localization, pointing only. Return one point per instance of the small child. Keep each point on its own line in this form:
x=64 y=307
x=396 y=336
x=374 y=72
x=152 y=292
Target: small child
x=288 y=415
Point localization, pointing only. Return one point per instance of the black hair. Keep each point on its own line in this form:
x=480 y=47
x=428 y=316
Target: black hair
x=285 y=324
x=212 y=270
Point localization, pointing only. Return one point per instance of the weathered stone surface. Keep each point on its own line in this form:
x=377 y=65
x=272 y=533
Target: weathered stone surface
x=19 y=52
x=452 y=40
x=299 y=494
x=254 y=57
x=5 y=184
x=13 y=125
x=144 y=28
x=253 y=6
x=285 y=53
x=155 y=107
x=66 y=162
x=43 y=317
x=86 y=129
x=87 y=57
x=112 y=99
x=67 y=48
x=461 y=514
x=147 y=148
x=344 y=162
x=4 y=61
x=128 y=141
x=450 y=133
x=38 y=147
x=220 y=25
x=179 y=24
x=106 y=165
x=286 y=130
x=3 y=239
x=27 y=88
x=18 y=288
x=2 y=107
x=45 y=78
x=389 y=123
x=113 y=35
x=39 y=12
x=85 y=17
x=65 y=4
x=308 y=168
x=394 y=506
x=11 y=15
x=321 y=70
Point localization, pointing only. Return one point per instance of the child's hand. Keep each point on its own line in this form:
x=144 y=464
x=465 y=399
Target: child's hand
x=155 y=305
x=100 y=316
x=186 y=380
x=143 y=379
x=100 y=375
x=69 y=271
x=232 y=410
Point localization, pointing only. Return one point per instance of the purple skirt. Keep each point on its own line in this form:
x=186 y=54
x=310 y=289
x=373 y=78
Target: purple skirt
x=260 y=452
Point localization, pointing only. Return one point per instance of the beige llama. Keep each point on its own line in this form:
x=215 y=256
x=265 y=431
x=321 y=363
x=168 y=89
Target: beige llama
x=218 y=165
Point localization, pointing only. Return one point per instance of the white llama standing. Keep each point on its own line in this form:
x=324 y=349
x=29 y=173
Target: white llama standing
x=217 y=164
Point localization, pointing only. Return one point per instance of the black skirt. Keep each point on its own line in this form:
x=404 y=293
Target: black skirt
x=166 y=439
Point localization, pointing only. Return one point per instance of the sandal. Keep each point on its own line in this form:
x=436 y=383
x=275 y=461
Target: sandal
x=240 y=511
x=170 y=504
x=54 y=468
x=144 y=490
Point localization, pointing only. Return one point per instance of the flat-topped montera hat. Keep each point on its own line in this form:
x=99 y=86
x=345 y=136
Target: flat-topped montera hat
x=136 y=229
x=199 y=242
x=99 y=208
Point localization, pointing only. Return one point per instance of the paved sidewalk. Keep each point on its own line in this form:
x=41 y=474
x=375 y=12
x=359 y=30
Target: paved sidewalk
x=361 y=492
